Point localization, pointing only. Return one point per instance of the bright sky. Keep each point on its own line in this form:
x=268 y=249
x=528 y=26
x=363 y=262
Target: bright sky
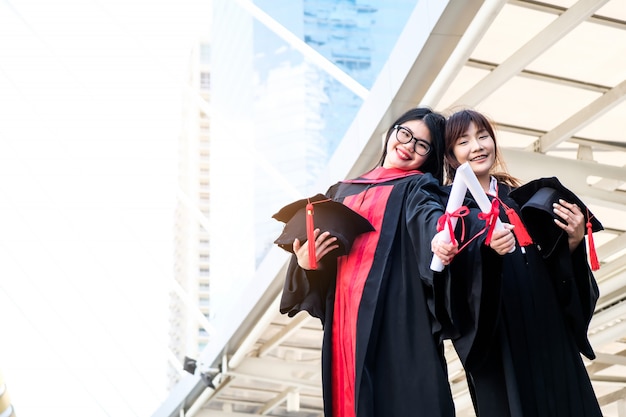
x=90 y=103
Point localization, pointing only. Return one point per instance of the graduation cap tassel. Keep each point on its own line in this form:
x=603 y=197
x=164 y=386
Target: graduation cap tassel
x=310 y=236
x=520 y=232
x=593 y=256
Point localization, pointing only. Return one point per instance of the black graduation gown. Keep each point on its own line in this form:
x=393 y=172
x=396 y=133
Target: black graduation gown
x=529 y=365
x=402 y=316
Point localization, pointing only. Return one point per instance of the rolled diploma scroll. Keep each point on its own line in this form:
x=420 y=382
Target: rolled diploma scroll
x=466 y=179
x=477 y=191
x=457 y=194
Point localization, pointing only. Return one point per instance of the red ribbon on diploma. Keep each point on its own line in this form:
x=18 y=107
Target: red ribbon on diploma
x=490 y=218
x=446 y=218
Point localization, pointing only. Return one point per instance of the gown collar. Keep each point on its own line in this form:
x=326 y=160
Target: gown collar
x=381 y=174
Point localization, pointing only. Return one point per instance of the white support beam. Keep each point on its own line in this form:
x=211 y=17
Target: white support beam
x=293 y=401
x=206 y=396
x=612 y=247
x=620 y=394
x=608 y=335
x=611 y=273
x=572 y=173
x=221 y=413
x=609 y=379
x=610 y=359
x=294 y=325
x=279 y=399
x=295 y=374
x=200 y=402
x=253 y=335
x=530 y=51
x=613 y=288
x=585 y=153
x=606 y=317
x=599 y=145
x=621 y=408
x=472 y=36
x=581 y=119
x=218 y=413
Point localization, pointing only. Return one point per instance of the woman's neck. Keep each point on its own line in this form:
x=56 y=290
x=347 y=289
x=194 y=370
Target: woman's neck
x=485 y=182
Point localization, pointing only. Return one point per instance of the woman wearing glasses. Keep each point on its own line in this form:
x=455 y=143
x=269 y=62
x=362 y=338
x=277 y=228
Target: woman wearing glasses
x=381 y=305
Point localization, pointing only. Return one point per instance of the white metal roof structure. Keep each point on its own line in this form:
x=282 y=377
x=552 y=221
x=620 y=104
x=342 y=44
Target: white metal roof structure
x=552 y=75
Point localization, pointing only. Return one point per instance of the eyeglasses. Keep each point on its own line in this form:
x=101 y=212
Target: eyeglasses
x=405 y=136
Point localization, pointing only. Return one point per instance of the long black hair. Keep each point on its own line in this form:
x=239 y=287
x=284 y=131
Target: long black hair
x=436 y=124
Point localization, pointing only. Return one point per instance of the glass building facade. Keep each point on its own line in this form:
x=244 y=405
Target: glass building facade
x=298 y=94
x=278 y=111
x=287 y=79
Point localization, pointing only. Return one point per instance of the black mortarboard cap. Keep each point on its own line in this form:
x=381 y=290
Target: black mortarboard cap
x=329 y=216
x=536 y=199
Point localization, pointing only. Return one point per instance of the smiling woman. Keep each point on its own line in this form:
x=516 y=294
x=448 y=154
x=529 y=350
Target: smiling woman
x=382 y=289
x=89 y=120
x=531 y=362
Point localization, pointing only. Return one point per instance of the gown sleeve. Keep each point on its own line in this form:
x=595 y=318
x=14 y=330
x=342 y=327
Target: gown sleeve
x=308 y=291
x=312 y=291
x=424 y=206
x=576 y=289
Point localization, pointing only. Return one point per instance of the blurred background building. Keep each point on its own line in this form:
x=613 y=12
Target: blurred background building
x=190 y=298
x=262 y=118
